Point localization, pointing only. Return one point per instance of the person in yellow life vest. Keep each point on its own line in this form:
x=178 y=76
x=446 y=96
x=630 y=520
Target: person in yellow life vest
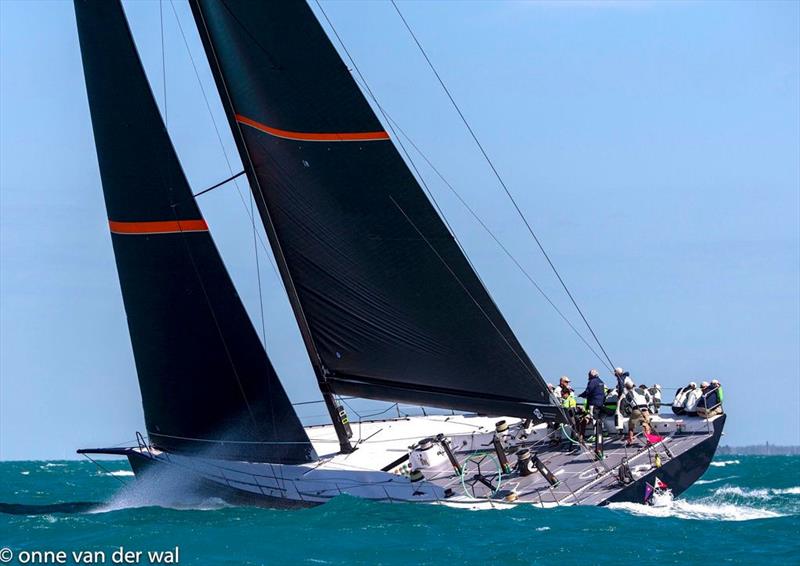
x=568 y=400
x=718 y=385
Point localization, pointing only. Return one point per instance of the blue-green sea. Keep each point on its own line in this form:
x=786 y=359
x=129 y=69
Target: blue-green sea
x=746 y=508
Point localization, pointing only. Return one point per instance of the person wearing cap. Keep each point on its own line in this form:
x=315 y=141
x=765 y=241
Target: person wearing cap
x=709 y=404
x=563 y=383
x=638 y=402
x=718 y=385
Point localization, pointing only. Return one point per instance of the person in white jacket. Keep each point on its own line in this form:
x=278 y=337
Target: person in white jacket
x=690 y=405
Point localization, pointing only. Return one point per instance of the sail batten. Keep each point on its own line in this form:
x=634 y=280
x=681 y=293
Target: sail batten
x=203 y=372
x=388 y=303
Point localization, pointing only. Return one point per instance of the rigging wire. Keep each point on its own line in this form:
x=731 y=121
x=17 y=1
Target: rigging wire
x=250 y=211
x=520 y=357
x=500 y=179
x=395 y=127
x=163 y=60
x=258 y=274
x=494 y=237
x=464 y=287
x=105 y=470
x=399 y=141
x=212 y=187
x=219 y=138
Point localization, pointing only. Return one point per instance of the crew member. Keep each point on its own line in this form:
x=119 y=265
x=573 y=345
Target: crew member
x=639 y=402
x=568 y=401
x=620 y=374
x=692 y=397
x=655 y=393
x=709 y=405
x=646 y=392
x=718 y=385
x=679 y=402
x=563 y=383
x=594 y=393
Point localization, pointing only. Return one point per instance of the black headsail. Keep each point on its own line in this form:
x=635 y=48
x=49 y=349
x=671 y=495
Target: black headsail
x=207 y=384
x=388 y=304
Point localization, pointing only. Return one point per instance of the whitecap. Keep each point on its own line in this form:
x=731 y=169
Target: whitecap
x=743 y=492
x=119 y=473
x=723 y=463
x=25 y=473
x=707 y=482
x=759 y=493
x=709 y=511
x=542 y=528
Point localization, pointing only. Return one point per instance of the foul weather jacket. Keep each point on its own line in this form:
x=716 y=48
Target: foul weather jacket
x=595 y=392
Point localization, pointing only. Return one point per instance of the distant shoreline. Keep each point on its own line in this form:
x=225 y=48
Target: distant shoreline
x=759 y=450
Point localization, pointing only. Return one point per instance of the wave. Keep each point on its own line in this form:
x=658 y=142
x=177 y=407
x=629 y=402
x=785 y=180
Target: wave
x=725 y=503
x=743 y=492
x=703 y=511
x=119 y=473
x=759 y=493
x=707 y=482
x=723 y=463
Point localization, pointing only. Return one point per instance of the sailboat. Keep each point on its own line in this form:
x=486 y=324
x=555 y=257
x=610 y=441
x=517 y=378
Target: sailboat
x=388 y=305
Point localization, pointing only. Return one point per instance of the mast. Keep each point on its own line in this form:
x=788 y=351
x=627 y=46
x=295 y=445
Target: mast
x=320 y=371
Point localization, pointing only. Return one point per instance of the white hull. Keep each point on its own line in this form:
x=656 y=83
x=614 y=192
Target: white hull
x=367 y=472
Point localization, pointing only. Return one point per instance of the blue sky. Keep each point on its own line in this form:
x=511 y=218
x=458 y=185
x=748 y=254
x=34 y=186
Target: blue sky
x=654 y=146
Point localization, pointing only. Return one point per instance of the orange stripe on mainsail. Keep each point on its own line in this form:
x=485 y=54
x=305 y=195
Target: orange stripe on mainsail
x=310 y=136
x=163 y=227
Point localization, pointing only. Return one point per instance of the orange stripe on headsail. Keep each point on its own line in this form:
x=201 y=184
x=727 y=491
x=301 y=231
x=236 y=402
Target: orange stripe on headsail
x=163 y=227
x=310 y=136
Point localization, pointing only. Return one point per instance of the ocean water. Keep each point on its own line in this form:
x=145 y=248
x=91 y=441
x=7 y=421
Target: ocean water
x=746 y=508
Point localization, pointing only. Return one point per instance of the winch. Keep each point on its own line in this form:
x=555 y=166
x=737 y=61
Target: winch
x=426 y=454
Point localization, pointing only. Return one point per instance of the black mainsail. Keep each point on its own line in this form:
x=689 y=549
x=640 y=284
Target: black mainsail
x=207 y=384
x=388 y=304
